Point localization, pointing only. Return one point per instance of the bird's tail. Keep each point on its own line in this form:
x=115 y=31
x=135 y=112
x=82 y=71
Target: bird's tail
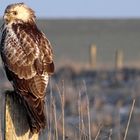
x=35 y=113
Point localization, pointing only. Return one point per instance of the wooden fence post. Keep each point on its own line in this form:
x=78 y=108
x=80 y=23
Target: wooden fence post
x=16 y=125
x=93 y=55
x=119 y=59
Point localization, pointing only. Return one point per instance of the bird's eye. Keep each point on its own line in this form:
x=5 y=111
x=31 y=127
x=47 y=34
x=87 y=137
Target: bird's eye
x=14 y=12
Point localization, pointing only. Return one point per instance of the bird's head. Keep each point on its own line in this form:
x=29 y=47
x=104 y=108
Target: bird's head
x=18 y=12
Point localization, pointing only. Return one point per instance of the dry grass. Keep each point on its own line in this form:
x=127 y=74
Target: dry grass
x=98 y=133
x=58 y=128
x=129 y=119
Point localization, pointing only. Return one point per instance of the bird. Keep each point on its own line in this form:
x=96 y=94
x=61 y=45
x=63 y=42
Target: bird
x=27 y=58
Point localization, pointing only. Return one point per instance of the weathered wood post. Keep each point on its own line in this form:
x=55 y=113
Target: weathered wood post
x=16 y=125
x=93 y=55
x=118 y=65
x=119 y=59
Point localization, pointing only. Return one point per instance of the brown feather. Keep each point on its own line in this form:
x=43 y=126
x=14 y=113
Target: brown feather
x=49 y=68
x=28 y=60
x=32 y=94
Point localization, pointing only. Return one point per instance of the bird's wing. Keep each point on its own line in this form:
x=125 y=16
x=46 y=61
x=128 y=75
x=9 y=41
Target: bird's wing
x=19 y=52
x=27 y=52
x=44 y=63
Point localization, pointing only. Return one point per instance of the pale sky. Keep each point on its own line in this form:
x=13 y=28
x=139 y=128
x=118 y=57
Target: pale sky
x=80 y=8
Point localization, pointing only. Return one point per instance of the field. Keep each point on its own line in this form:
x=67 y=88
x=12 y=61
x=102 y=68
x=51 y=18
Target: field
x=85 y=103
x=71 y=40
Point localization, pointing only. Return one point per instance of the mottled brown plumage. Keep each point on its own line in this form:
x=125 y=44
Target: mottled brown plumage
x=28 y=60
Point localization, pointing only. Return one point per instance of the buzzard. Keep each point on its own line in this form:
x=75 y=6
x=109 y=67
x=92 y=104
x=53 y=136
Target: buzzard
x=28 y=61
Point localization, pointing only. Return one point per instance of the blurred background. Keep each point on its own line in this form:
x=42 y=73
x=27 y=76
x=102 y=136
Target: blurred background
x=96 y=47
x=73 y=26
